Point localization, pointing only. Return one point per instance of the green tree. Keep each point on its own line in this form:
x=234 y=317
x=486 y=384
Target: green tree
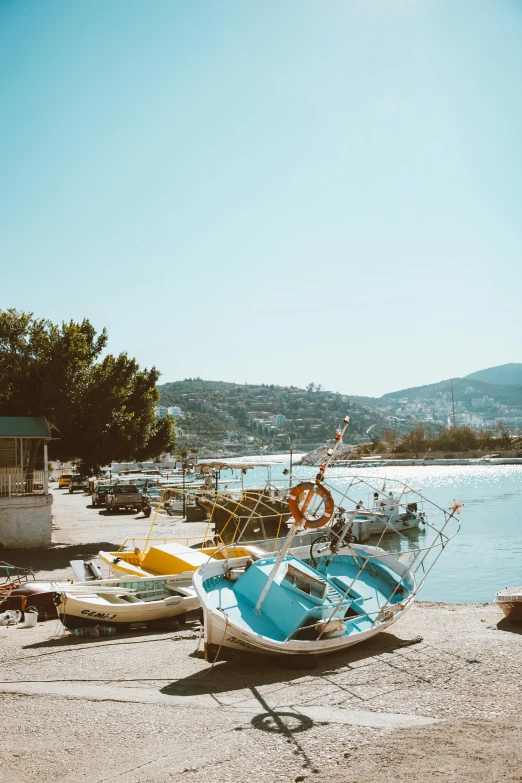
x=456 y=439
x=101 y=409
x=417 y=440
x=390 y=437
x=503 y=434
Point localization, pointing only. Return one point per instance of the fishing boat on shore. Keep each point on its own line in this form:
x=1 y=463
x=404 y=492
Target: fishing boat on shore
x=510 y=602
x=304 y=611
x=317 y=599
x=19 y=590
x=171 y=557
x=254 y=513
x=125 y=604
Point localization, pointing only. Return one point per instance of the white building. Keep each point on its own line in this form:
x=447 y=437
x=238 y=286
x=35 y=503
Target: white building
x=174 y=410
x=160 y=412
x=25 y=501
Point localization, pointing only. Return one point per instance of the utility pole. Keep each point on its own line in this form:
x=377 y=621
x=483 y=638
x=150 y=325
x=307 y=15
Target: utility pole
x=184 y=498
x=453 y=404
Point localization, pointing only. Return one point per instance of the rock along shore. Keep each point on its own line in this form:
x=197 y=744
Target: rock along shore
x=345 y=455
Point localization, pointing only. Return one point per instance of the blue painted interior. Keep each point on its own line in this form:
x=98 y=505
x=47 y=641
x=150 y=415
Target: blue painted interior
x=286 y=608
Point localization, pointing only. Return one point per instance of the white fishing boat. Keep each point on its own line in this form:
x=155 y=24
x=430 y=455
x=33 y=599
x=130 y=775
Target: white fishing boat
x=391 y=511
x=126 y=603
x=317 y=599
x=304 y=611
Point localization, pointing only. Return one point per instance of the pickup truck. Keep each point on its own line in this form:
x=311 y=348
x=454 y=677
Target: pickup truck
x=123 y=496
x=99 y=495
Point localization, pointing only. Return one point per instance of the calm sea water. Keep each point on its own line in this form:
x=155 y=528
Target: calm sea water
x=486 y=554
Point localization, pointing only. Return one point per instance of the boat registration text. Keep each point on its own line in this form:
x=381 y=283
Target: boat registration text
x=99 y=615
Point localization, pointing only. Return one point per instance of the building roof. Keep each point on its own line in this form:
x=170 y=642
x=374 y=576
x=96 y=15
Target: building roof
x=24 y=427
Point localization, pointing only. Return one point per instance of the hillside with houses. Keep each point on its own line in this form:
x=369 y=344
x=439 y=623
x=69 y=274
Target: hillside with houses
x=245 y=418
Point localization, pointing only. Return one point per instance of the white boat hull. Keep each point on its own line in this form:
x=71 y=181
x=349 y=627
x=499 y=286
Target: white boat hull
x=377 y=524
x=77 y=611
x=221 y=632
x=376 y=528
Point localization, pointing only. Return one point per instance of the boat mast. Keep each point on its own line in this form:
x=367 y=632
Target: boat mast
x=286 y=546
x=453 y=404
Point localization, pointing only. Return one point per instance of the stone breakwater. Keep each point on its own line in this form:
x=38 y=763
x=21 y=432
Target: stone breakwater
x=345 y=454
x=320 y=455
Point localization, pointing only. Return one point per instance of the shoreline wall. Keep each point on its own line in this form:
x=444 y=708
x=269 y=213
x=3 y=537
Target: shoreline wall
x=25 y=521
x=317 y=457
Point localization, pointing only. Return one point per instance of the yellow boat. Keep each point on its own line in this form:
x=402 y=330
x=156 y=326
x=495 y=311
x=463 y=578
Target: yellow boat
x=171 y=558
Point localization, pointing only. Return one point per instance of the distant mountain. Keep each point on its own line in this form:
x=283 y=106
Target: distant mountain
x=504 y=374
x=230 y=415
x=217 y=413
x=465 y=390
x=477 y=404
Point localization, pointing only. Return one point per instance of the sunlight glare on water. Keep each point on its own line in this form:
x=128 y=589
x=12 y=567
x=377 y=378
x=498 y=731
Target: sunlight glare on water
x=485 y=556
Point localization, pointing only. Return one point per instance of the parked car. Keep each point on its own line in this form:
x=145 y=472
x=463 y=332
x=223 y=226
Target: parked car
x=123 y=496
x=65 y=480
x=77 y=482
x=99 y=495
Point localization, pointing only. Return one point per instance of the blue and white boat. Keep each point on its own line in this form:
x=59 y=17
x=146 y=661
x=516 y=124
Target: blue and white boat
x=307 y=600
x=283 y=605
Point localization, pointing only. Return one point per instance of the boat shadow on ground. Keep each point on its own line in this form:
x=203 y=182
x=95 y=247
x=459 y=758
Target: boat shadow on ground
x=511 y=626
x=191 y=627
x=253 y=672
x=245 y=670
x=55 y=557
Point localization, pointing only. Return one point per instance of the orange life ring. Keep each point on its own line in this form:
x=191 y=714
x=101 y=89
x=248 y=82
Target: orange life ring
x=299 y=511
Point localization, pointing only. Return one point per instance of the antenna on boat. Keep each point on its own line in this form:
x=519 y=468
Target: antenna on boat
x=298 y=501
x=331 y=452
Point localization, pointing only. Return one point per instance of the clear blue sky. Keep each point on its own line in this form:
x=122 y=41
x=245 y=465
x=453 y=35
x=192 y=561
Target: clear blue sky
x=278 y=191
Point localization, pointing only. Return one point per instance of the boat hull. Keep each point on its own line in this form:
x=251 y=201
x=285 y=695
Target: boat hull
x=220 y=633
x=509 y=602
x=512 y=609
x=39 y=595
x=78 y=612
x=256 y=515
x=377 y=527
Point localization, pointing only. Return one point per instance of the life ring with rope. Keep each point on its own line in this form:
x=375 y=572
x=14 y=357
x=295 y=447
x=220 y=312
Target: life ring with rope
x=298 y=505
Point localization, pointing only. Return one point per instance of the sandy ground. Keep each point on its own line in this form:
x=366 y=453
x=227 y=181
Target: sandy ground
x=147 y=708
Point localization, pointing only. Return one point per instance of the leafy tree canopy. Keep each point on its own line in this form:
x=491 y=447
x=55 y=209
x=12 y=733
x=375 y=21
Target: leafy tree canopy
x=102 y=409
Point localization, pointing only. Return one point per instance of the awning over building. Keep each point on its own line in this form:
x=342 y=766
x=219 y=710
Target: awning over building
x=24 y=427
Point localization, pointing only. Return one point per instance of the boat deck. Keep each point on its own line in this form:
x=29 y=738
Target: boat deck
x=292 y=602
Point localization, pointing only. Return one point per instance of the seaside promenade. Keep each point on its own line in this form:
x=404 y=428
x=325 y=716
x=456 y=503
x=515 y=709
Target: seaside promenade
x=147 y=708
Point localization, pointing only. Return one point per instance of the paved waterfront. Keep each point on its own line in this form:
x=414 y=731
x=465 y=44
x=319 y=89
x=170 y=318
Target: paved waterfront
x=148 y=709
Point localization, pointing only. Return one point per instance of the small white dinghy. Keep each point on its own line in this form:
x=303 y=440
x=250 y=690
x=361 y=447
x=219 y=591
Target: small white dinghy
x=126 y=603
